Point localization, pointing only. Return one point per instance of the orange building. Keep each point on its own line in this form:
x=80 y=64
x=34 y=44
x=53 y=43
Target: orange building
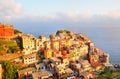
x=6 y=31
x=48 y=54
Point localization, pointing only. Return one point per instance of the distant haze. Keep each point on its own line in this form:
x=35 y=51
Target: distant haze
x=50 y=15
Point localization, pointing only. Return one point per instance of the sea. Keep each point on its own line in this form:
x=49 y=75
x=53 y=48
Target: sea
x=105 y=38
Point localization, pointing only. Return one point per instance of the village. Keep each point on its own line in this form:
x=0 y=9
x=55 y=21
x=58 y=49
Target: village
x=64 y=55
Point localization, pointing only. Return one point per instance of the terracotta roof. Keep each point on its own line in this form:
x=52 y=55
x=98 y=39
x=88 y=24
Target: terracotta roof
x=96 y=64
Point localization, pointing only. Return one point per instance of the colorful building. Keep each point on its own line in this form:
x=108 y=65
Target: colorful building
x=29 y=43
x=43 y=74
x=48 y=53
x=29 y=59
x=47 y=45
x=55 y=45
x=25 y=73
x=6 y=31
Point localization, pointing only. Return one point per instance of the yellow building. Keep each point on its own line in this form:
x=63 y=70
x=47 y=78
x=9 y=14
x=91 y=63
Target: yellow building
x=48 y=53
x=69 y=42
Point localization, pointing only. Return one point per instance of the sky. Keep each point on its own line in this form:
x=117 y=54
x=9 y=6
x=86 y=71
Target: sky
x=47 y=16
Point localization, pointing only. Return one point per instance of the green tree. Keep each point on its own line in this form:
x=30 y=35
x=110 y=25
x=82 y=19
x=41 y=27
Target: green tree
x=15 y=69
x=10 y=70
x=17 y=31
x=106 y=74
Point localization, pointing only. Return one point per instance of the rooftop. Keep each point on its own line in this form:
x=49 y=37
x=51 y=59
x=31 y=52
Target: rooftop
x=41 y=73
x=30 y=55
x=26 y=70
x=39 y=65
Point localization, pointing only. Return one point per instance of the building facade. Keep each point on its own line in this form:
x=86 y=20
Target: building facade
x=6 y=31
x=29 y=59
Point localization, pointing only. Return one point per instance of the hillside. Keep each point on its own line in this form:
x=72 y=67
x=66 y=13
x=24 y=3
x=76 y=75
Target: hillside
x=8 y=46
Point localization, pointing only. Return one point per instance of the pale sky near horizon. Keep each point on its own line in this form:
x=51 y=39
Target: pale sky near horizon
x=60 y=13
x=47 y=7
x=23 y=8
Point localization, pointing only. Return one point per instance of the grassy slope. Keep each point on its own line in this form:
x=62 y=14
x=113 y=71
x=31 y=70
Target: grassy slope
x=9 y=49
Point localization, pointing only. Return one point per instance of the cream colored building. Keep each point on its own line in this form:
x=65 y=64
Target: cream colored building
x=47 y=45
x=43 y=38
x=83 y=50
x=30 y=43
x=29 y=59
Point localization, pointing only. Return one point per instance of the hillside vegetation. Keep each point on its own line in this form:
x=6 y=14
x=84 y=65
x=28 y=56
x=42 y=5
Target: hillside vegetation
x=8 y=46
x=16 y=31
x=109 y=74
